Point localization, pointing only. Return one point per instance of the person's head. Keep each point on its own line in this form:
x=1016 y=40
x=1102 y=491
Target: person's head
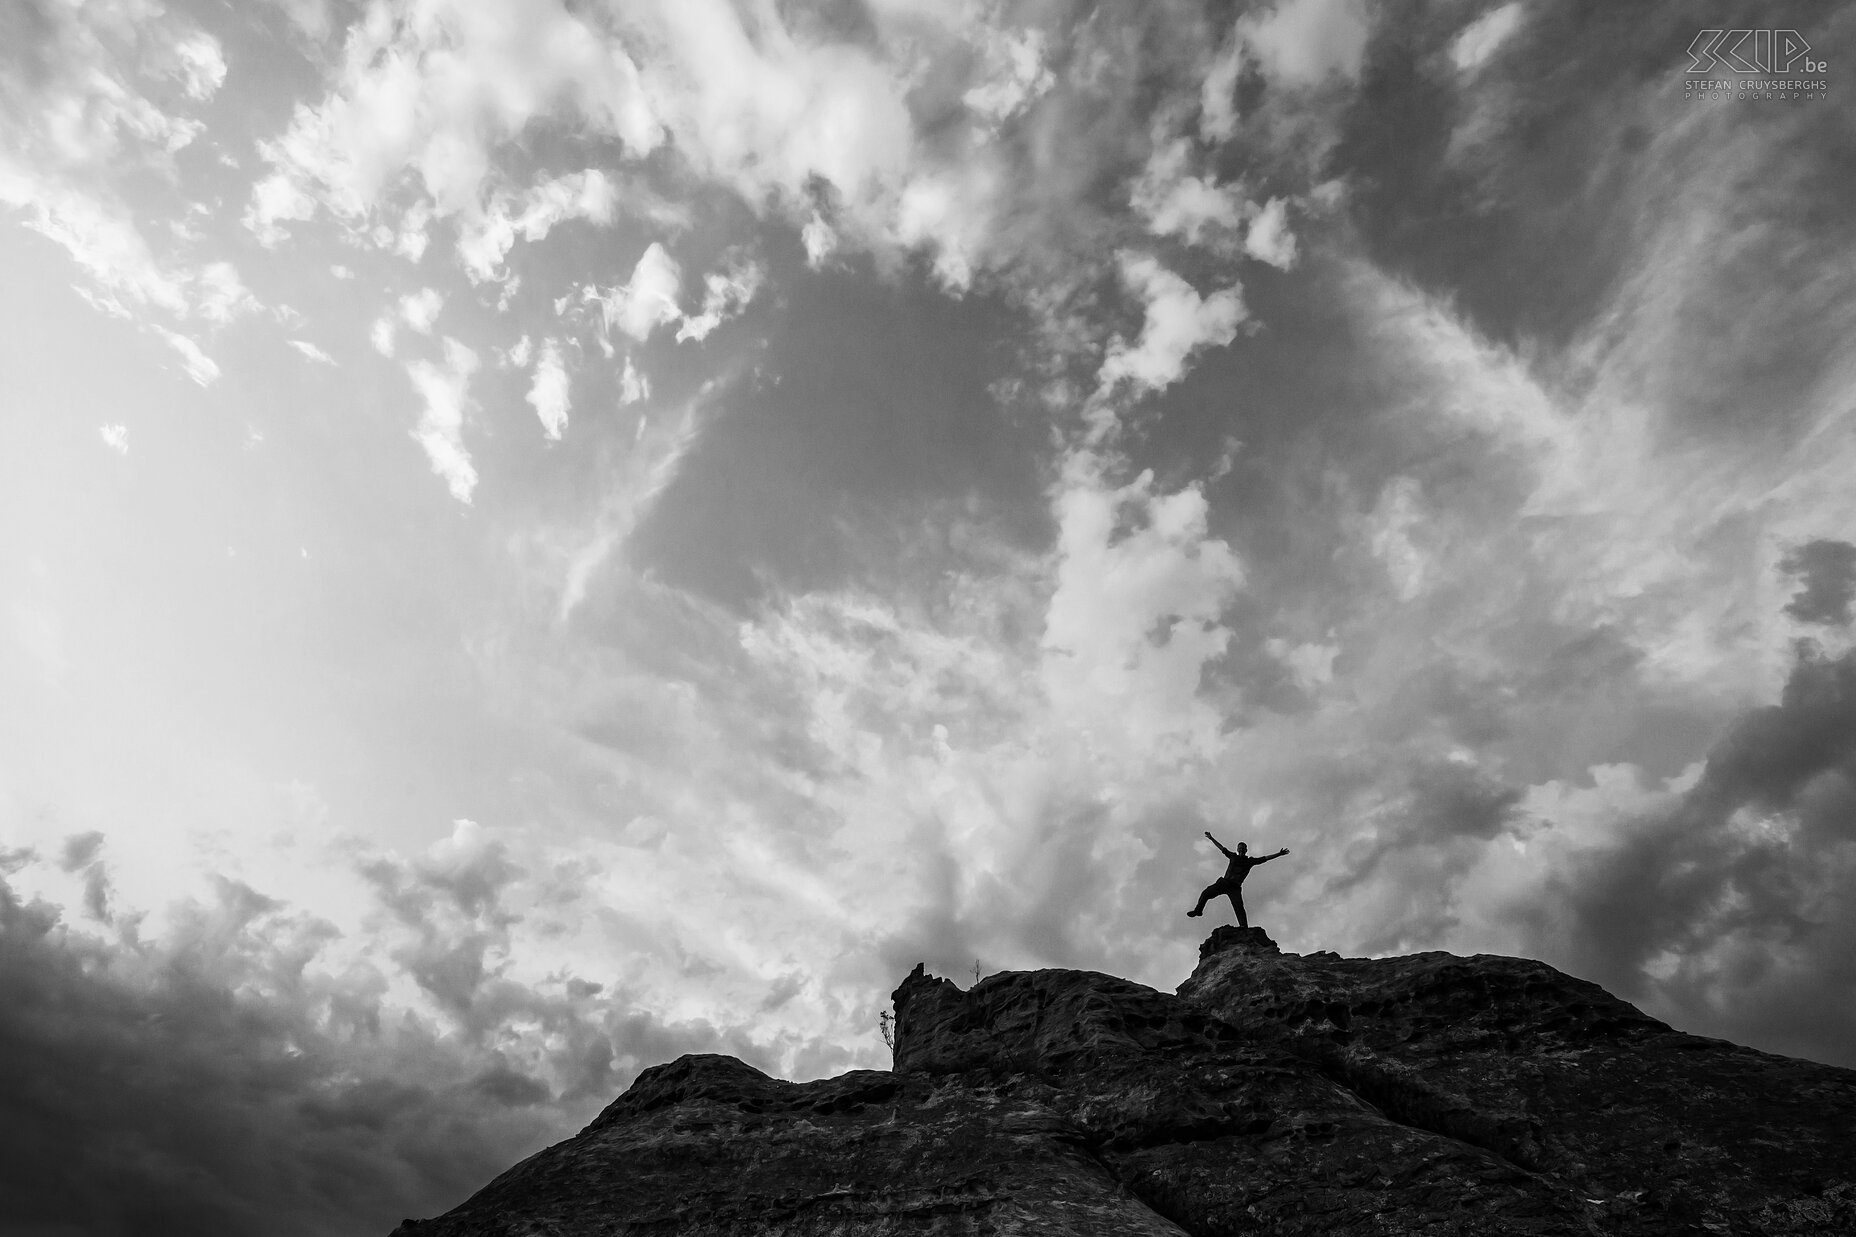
x=1241 y=848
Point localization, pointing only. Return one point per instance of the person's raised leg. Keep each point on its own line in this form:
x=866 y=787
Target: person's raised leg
x=1204 y=894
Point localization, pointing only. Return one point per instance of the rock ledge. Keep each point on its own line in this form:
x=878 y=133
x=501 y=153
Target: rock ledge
x=1273 y=1093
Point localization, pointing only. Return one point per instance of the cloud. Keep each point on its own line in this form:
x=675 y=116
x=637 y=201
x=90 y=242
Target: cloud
x=1269 y=238
x=658 y=449
x=633 y=386
x=115 y=437
x=1828 y=571
x=1137 y=612
x=444 y=389
x=1725 y=901
x=312 y=352
x=103 y=240
x=485 y=239
x=275 y=201
x=1303 y=42
x=1178 y=322
x=648 y=299
x=419 y=310
x=235 y=1064
x=219 y=295
x=1483 y=37
x=1175 y=203
x=1015 y=76
x=1218 y=93
x=794 y=117
x=82 y=71
x=548 y=394
x=766 y=108
x=79 y=118
x=201 y=65
x=819 y=240
x=200 y=367
x=431 y=94
x=725 y=293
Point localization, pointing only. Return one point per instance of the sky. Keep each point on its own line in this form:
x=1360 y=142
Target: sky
x=539 y=537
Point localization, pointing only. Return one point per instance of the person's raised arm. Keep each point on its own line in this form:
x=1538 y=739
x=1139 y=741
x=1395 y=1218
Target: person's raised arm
x=1215 y=842
x=1279 y=854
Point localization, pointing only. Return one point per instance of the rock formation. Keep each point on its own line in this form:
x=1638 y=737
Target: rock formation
x=1274 y=1093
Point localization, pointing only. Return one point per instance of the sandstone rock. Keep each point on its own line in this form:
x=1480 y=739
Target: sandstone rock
x=1273 y=1093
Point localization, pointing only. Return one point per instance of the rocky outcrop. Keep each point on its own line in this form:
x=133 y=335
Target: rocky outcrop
x=1273 y=1093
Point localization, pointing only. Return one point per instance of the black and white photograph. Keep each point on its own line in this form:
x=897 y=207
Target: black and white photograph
x=859 y=618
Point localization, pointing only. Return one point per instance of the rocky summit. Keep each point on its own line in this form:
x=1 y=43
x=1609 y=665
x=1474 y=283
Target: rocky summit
x=1273 y=1093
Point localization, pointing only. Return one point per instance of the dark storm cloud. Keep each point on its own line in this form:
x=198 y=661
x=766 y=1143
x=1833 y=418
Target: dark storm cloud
x=81 y=855
x=1828 y=571
x=222 y=1082
x=1754 y=859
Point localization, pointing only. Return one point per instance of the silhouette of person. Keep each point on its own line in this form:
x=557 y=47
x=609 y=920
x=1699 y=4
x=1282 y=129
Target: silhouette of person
x=1232 y=882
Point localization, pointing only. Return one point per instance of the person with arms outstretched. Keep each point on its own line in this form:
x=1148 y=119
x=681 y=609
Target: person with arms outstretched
x=1232 y=882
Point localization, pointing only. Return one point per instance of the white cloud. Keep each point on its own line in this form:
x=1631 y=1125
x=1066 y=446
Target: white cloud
x=277 y=200
x=219 y=296
x=1015 y=73
x=633 y=386
x=485 y=239
x=770 y=110
x=1218 y=94
x=1269 y=238
x=311 y=351
x=1484 y=36
x=80 y=119
x=201 y=64
x=1303 y=42
x=819 y=240
x=115 y=437
x=444 y=389
x=419 y=310
x=85 y=110
x=949 y=213
x=1389 y=531
x=1136 y=616
x=413 y=235
x=1178 y=323
x=382 y=335
x=548 y=394
x=766 y=109
x=648 y=299
x=434 y=92
x=1312 y=664
x=646 y=471
x=727 y=293
x=1176 y=203
x=102 y=239
x=198 y=365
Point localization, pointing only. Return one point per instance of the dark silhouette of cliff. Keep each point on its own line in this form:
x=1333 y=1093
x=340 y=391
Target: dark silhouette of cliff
x=1274 y=1093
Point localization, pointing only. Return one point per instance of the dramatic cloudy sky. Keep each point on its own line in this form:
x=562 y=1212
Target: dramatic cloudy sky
x=540 y=536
